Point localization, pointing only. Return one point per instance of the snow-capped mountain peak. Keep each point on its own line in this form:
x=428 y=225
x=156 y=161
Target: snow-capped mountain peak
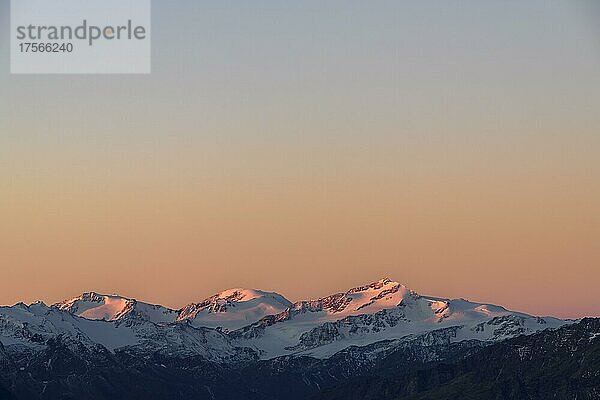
x=234 y=308
x=96 y=306
x=241 y=295
x=366 y=299
x=377 y=296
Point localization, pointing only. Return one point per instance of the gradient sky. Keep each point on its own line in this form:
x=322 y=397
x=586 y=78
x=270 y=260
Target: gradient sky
x=311 y=146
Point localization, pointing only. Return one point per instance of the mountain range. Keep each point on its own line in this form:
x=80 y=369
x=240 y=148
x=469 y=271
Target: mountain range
x=246 y=336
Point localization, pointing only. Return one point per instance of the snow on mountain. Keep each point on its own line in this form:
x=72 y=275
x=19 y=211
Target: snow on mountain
x=33 y=325
x=382 y=310
x=234 y=308
x=95 y=306
x=30 y=327
x=228 y=310
x=240 y=324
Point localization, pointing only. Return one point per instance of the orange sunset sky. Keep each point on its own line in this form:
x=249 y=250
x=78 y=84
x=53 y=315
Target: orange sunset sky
x=308 y=148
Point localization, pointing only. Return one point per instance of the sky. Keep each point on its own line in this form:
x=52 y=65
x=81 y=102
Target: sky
x=308 y=147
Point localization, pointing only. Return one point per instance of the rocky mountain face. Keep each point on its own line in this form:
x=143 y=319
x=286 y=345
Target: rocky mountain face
x=244 y=343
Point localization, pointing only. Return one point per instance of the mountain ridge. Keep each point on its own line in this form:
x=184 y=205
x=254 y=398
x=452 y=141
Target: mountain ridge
x=240 y=323
x=251 y=344
x=64 y=304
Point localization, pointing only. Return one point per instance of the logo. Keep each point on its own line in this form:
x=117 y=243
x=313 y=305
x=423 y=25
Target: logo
x=80 y=36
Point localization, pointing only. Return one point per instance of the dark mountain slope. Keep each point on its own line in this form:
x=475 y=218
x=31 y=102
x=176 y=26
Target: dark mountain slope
x=561 y=364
